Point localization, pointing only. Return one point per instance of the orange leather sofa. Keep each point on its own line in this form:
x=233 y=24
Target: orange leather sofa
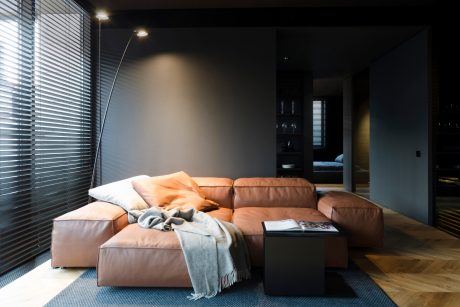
x=98 y=234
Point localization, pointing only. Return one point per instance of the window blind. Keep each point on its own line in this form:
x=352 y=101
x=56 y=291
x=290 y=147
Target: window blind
x=45 y=121
x=319 y=123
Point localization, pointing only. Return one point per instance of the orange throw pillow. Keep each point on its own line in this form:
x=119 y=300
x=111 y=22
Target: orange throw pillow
x=172 y=191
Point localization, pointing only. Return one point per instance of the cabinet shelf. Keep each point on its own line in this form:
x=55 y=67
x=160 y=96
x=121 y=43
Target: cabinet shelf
x=448 y=132
x=448 y=185
x=448 y=113
x=448 y=190
x=448 y=169
x=296 y=169
x=448 y=152
x=447 y=173
x=289 y=134
x=289 y=115
x=292 y=153
x=289 y=87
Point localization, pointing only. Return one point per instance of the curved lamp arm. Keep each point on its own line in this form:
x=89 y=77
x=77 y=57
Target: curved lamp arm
x=98 y=145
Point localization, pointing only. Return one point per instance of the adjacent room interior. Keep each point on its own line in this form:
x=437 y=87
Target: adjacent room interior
x=294 y=152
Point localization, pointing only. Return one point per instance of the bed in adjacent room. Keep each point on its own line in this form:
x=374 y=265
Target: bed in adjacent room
x=328 y=171
x=332 y=172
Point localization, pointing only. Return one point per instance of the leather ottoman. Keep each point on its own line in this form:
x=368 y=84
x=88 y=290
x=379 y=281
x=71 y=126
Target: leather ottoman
x=77 y=235
x=361 y=220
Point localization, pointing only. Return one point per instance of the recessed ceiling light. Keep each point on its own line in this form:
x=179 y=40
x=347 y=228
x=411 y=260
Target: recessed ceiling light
x=285 y=58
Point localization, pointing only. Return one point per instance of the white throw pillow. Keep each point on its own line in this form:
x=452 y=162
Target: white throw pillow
x=120 y=193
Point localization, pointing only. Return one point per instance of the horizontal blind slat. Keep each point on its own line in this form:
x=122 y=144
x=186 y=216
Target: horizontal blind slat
x=45 y=120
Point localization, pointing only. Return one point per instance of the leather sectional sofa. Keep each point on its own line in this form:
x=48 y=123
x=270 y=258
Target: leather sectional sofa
x=98 y=234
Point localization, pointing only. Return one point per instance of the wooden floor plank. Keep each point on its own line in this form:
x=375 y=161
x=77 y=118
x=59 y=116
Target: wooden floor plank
x=419 y=265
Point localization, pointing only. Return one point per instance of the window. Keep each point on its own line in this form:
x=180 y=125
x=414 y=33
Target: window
x=319 y=123
x=45 y=121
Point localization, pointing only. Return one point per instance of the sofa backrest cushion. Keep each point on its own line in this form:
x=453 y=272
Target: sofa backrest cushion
x=274 y=192
x=217 y=189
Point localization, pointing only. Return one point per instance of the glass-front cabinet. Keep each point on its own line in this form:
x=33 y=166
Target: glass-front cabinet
x=447 y=167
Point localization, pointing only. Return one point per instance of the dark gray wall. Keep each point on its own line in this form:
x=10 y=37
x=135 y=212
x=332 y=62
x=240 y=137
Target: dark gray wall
x=399 y=106
x=361 y=128
x=308 y=125
x=348 y=98
x=198 y=100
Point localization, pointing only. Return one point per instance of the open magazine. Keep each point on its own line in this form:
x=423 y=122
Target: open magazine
x=292 y=225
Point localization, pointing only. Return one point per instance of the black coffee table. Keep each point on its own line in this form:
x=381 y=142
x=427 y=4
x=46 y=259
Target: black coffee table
x=294 y=262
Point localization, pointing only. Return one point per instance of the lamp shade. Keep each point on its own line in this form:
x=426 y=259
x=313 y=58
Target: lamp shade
x=102 y=15
x=141 y=33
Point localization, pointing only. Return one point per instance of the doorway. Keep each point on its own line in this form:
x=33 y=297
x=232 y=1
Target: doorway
x=327 y=126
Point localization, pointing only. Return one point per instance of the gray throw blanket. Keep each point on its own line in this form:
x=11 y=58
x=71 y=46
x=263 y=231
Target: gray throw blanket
x=158 y=218
x=214 y=250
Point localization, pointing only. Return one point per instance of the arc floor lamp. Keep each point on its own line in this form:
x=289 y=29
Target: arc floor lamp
x=102 y=16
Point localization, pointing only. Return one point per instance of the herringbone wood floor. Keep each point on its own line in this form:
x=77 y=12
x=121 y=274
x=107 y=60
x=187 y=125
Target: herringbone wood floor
x=419 y=265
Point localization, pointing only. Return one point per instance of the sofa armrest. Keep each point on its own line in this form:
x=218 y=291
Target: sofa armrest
x=361 y=220
x=77 y=235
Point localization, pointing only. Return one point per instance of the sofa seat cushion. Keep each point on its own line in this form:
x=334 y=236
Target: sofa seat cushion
x=146 y=257
x=274 y=192
x=216 y=189
x=77 y=235
x=359 y=218
x=249 y=221
x=224 y=214
x=138 y=257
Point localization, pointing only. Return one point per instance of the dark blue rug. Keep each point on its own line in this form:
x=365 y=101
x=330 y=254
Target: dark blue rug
x=349 y=287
